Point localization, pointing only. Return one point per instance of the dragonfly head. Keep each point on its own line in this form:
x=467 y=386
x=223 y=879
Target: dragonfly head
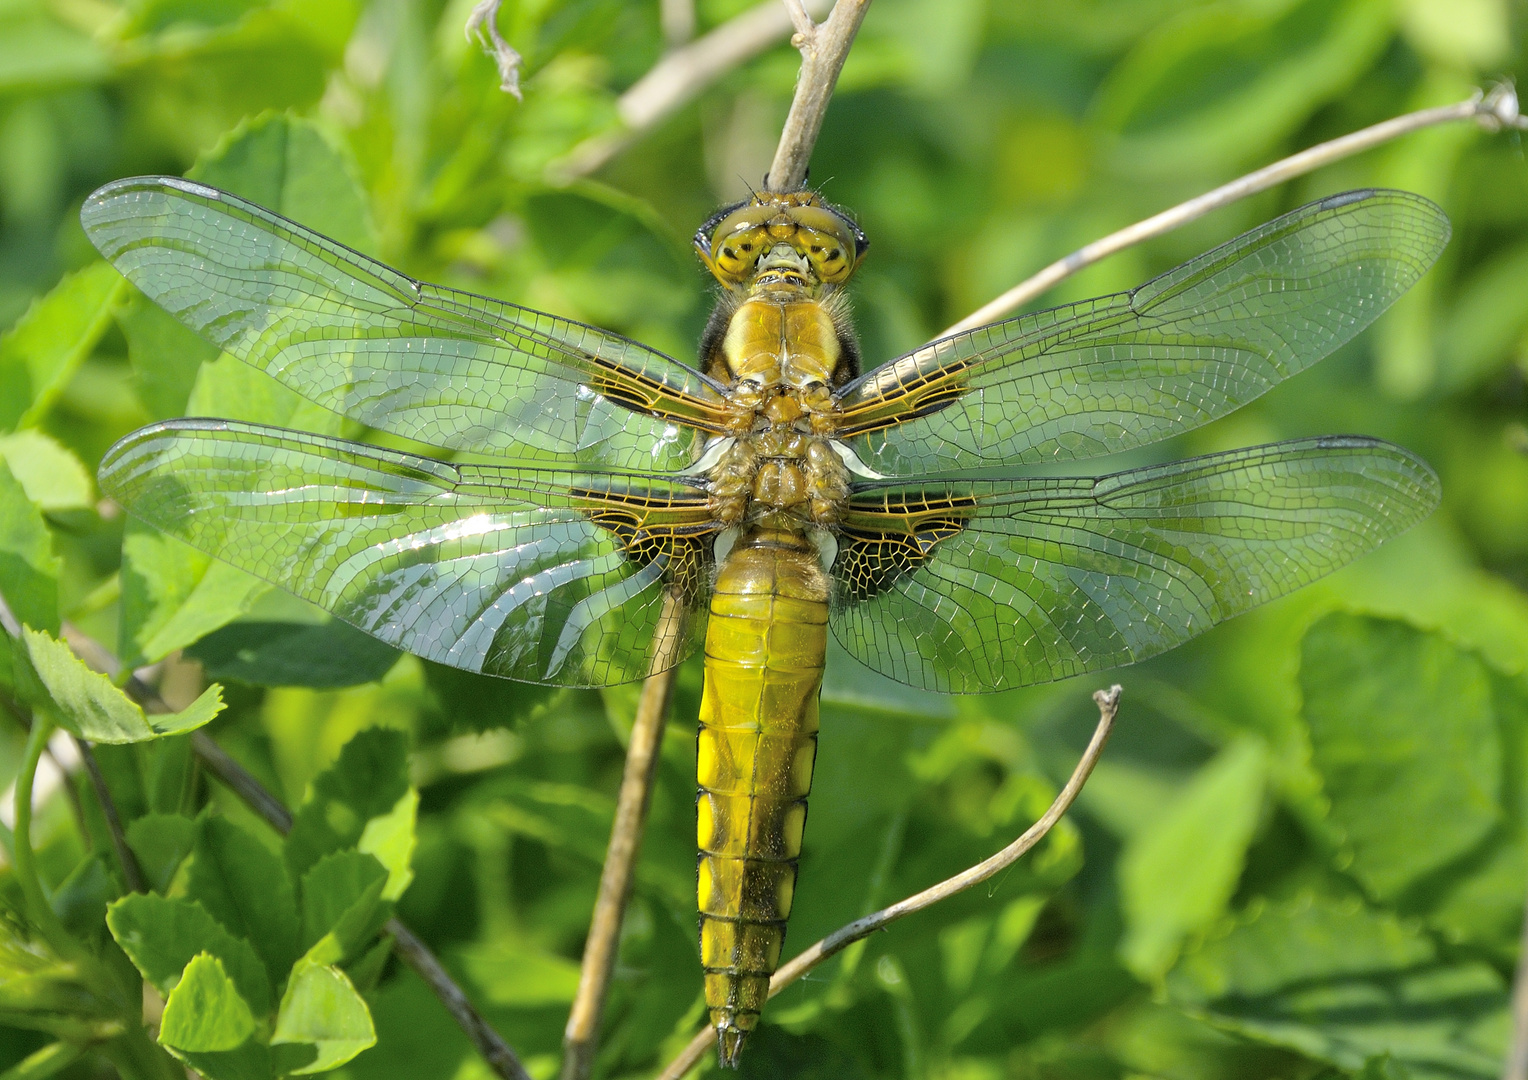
x=773 y=231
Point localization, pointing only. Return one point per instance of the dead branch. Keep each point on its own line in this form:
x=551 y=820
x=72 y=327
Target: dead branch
x=483 y=27
x=824 y=48
x=842 y=938
x=580 y=1037
x=678 y=79
x=1493 y=111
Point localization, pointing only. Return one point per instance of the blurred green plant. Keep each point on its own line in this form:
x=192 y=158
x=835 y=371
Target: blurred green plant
x=1306 y=851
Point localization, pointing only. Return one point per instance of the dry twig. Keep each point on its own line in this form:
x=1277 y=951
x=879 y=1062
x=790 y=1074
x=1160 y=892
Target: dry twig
x=132 y=873
x=678 y=79
x=642 y=751
x=1493 y=111
x=823 y=51
x=1516 y=1067
x=842 y=938
x=483 y=27
x=678 y=20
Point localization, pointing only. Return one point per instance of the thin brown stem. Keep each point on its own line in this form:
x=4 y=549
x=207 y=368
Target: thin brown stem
x=642 y=751
x=824 y=48
x=1108 y=709
x=678 y=20
x=1516 y=1067
x=1494 y=111
x=241 y=782
x=678 y=79
x=132 y=873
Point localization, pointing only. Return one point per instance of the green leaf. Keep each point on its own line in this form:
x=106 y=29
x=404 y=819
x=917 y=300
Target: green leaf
x=53 y=477
x=40 y=354
x=38 y=53
x=173 y=595
x=28 y=568
x=327 y=655
x=515 y=974
x=80 y=899
x=249 y=1061
x=1177 y=876
x=161 y=843
x=161 y=936
x=245 y=886
x=322 y=1009
x=367 y=781
x=1403 y=728
x=390 y=838
x=342 y=900
x=36 y=985
x=165 y=355
x=88 y=705
x=204 y=1012
x=288 y=165
x=1343 y=984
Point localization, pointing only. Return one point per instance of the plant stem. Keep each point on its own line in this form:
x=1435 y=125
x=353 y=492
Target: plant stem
x=824 y=48
x=1516 y=1067
x=676 y=80
x=1494 y=111
x=1108 y=709
x=132 y=873
x=580 y=1038
x=50 y=1060
x=39 y=910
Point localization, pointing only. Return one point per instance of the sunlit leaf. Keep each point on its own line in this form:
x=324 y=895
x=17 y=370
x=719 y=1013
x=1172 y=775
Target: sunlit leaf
x=53 y=477
x=162 y=935
x=322 y=1008
x=47 y=345
x=88 y=705
x=1403 y=728
x=204 y=1011
x=28 y=568
x=1177 y=876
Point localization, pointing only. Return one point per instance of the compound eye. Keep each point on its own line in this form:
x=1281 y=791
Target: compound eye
x=740 y=251
x=827 y=255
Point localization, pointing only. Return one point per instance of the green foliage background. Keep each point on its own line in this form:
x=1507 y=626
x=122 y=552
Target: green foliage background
x=1304 y=854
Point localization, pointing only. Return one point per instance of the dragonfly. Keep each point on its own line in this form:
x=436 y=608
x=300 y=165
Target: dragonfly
x=599 y=511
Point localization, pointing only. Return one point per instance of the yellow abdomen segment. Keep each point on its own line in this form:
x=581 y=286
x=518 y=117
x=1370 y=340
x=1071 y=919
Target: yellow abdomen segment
x=757 y=742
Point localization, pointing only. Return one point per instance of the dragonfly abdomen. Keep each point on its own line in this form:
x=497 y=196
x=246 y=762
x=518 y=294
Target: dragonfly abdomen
x=757 y=742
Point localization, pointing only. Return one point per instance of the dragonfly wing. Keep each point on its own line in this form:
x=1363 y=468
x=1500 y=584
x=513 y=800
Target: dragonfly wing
x=968 y=585
x=542 y=575
x=448 y=368
x=1128 y=370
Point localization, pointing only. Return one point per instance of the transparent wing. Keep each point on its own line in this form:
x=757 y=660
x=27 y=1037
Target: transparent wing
x=1128 y=370
x=963 y=586
x=455 y=370
x=541 y=575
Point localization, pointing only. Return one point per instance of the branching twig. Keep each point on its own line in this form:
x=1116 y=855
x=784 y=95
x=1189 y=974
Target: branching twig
x=1494 y=111
x=677 y=79
x=483 y=27
x=1108 y=708
x=221 y=765
x=581 y=1035
x=823 y=51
